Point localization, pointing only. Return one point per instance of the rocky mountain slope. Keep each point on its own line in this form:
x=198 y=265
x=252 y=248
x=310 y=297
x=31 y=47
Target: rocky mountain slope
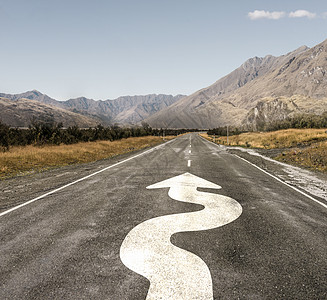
x=261 y=90
x=124 y=110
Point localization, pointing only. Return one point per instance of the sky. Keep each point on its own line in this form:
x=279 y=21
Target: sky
x=103 y=49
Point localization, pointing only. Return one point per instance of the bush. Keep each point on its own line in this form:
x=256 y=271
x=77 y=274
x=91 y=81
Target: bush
x=39 y=134
x=222 y=131
x=4 y=137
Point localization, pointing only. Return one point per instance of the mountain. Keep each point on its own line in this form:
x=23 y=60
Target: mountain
x=21 y=113
x=123 y=110
x=260 y=90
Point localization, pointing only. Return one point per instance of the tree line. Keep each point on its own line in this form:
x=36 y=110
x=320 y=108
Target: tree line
x=299 y=121
x=39 y=134
x=222 y=131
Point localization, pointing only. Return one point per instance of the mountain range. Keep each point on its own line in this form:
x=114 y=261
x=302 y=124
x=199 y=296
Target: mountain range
x=261 y=90
x=20 y=109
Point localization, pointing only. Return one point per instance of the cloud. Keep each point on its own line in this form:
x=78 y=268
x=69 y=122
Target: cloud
x=302 y=14
x=262 y=14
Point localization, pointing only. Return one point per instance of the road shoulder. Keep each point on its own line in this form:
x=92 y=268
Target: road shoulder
x=311 y=182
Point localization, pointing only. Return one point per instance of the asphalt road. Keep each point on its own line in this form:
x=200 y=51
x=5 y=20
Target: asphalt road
x=67 y=245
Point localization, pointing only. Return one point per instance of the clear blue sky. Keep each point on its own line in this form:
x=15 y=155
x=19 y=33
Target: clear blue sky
x=104 y=49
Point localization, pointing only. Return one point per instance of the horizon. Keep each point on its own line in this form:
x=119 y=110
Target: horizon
x=106 y=50
x=108 y=99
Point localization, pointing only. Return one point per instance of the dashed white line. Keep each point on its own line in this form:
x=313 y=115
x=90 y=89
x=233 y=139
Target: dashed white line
x=189 y=163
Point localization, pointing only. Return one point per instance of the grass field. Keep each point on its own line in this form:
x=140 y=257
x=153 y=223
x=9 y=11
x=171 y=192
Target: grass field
x=303 y=147
x=276 y=139
x=23 y=160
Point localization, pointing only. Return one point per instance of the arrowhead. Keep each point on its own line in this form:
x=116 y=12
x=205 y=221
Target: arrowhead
x=185 y=179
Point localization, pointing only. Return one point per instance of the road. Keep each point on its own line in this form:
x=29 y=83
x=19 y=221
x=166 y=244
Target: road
x=67 y=244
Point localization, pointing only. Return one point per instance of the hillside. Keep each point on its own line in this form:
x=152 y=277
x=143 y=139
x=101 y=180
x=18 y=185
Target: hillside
x=260 y=90
x=22 y=112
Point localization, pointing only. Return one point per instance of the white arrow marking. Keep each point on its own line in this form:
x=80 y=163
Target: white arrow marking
x=175 y=273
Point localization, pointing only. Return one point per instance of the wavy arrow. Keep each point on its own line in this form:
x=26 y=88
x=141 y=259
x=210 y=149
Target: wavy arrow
x=175 y=273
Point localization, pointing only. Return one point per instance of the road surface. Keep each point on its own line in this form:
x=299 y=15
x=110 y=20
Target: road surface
x=67 y=244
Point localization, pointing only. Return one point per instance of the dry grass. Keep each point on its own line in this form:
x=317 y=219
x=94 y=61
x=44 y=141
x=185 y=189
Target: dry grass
x=313 y=144
x=22 y=160
x=314 y=157
x=276 y=139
